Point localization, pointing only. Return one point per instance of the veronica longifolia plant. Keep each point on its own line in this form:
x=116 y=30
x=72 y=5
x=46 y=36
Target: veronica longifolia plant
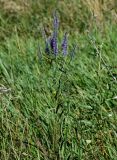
x=51 y=43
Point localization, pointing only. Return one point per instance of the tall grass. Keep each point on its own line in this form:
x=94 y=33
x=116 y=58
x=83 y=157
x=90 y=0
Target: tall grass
x=57 y=108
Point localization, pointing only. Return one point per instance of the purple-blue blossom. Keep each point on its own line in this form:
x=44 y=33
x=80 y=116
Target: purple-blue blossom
x=53 y=41
x=64 y=44
x=53 y=44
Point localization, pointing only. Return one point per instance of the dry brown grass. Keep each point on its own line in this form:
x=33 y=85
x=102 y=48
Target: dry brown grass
x=17 y=6
x=87 y=13
x=82 y=14
x=99 y=9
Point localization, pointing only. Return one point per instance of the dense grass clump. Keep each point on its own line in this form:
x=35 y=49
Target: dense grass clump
x=57 y=107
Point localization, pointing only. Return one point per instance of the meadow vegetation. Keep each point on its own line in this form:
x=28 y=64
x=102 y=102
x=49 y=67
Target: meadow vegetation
x=58 y=107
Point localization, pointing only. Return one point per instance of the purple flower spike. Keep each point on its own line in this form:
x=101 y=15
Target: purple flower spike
x=53 y=44
x=64 y=44
x=56 y=22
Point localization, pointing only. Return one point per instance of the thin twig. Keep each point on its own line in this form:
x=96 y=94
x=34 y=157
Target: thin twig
x=103 y=61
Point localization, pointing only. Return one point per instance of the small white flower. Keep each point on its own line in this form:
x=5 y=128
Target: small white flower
x=88 y=141
x=4 y=89
x=115 y=97
x=110 y=114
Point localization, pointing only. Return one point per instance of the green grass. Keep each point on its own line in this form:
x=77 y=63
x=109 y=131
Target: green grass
x=58 y=108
